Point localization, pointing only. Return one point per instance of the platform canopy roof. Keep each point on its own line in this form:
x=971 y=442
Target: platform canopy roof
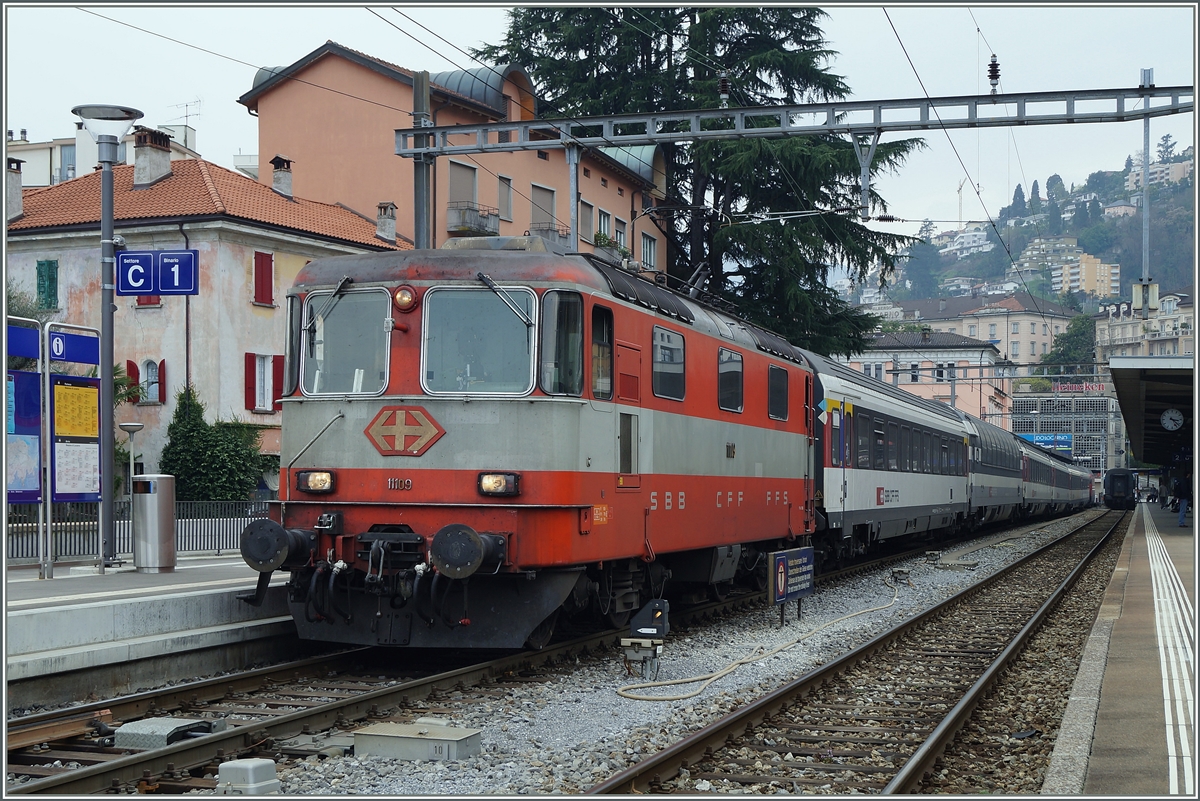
x=1146 y=387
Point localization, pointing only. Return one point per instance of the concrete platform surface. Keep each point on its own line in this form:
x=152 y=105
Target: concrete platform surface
x=1129 y=729
x=80 y=620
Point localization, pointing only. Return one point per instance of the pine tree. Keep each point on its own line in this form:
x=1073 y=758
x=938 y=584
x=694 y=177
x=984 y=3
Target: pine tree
x=603 y=61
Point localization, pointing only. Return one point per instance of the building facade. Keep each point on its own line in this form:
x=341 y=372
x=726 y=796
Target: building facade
x=228 y=340
x=1088 y=274
x=961 y=372
x=335 y=112
x=1079 y=419
x=1168 y=330
x=57 y=160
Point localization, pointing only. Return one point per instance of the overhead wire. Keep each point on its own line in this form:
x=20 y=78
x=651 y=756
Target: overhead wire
x=967 y=172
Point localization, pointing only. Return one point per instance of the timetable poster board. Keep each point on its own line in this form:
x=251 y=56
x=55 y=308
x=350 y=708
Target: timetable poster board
x=75 y=434
x=23 y=436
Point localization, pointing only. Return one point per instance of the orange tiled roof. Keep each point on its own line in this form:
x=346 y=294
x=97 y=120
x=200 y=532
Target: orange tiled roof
x=196 y=188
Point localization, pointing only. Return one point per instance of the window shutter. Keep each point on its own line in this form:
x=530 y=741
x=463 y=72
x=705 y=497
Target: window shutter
x=264 y=278
x=162 y=381
x=131 y=370
x=277 y=380
x=251 y=374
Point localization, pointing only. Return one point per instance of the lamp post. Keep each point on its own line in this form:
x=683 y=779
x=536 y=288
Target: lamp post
x=107 y=125
x=131 y=429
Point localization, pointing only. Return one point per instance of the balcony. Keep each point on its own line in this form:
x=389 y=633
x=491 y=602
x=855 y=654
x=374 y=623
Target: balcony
x=552 y=233
x=464 y=217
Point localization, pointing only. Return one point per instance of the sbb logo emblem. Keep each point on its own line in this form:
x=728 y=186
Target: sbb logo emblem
x=403 y=431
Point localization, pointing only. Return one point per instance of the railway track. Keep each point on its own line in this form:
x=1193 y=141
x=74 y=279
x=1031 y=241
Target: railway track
x=268 y=711
x=877 y=719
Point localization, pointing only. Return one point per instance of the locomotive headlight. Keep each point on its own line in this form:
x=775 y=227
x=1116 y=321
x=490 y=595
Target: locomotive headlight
x=500 y=483
x=314 y=481
x=405 y=298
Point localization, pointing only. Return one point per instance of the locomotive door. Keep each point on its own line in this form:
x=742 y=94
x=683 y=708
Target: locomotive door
x=629 y=397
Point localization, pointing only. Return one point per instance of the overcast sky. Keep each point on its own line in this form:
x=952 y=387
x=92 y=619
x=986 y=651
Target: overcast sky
x=61 y=56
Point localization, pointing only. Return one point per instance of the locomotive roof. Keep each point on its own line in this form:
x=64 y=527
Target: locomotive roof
x=531 y=259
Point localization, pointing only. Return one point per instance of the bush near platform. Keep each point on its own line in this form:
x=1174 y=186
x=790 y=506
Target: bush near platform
x=210 y=462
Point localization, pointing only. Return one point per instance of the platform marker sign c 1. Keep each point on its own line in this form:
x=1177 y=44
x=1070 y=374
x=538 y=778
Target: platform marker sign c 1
x=791 y=577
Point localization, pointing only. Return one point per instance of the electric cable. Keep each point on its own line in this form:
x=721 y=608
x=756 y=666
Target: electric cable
x=627 y=691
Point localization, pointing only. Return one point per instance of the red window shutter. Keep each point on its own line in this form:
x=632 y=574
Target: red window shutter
x=149 y=300
x=251 y=376
x=264 y=278
x=162 y=381
x=277 y=380
x=131 y=370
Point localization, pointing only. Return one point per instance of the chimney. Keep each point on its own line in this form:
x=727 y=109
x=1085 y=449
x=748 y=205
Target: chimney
x=942 y=304
x=10 y=134
x=24 y=135
x=385 y=222
x=281 y=178
x=151 y=157
x=13 y=189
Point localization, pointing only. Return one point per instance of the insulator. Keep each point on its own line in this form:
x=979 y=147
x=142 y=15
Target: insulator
x=723 y=89
x=994 y=73
x=887 y=218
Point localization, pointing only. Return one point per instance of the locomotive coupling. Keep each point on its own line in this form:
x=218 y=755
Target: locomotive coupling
x=457 y=551
x=268 y=546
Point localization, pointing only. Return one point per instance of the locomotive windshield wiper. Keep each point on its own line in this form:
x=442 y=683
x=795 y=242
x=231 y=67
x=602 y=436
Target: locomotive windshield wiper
x=508 y=301
x=311 y=327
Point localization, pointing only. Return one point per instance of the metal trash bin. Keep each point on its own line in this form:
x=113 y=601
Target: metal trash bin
x=154 y=523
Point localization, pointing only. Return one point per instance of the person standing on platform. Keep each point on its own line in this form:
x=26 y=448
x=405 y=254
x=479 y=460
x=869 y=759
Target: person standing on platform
x=1185 y=498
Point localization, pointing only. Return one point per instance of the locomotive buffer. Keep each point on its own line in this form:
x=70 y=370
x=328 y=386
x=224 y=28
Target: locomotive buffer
x=647 y=630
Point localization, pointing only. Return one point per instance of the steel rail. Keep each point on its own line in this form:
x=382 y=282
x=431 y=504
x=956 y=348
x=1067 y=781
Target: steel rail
x=647 y=774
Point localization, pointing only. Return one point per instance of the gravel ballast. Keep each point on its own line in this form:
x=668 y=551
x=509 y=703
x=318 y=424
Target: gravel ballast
x=574 y=731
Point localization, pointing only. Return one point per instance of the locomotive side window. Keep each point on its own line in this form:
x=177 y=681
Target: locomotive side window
x=562 y=343
x=862 y=428
x=602 y=353
x=476 y=342
x=669 y=376
x=835 y=438
x=291 y=351
x=345 y=344
x=628 y=450
x=777 y=393
x=729 y=380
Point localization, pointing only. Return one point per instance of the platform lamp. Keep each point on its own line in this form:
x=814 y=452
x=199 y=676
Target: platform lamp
x=131 y=429
x=107 y=125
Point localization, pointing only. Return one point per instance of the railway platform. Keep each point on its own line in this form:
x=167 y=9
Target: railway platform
x=82 y=632
x=1129 y=728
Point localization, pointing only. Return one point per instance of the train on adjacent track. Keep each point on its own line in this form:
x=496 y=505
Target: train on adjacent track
x=1120 y=488
x=482 y=441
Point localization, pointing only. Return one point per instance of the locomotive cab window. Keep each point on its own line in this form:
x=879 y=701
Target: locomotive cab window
x=602 y=353
x=476 y=341
x=344 y=343
x=670 y=378
x=729 y=380
x=777 y=393
x=562 y=343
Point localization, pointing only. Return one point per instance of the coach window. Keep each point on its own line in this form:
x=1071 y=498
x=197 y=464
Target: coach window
x=602 y=353
x=562 y=343
x=344 y=345
x=862 y=428
x=926 y=457
x=893 y=446
x=944 y=458
x=835 y=438
x=905 y=448
x=729 y=380
x=953 y=458
x=777 y=393
x=669 y=376
x=878 y=432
